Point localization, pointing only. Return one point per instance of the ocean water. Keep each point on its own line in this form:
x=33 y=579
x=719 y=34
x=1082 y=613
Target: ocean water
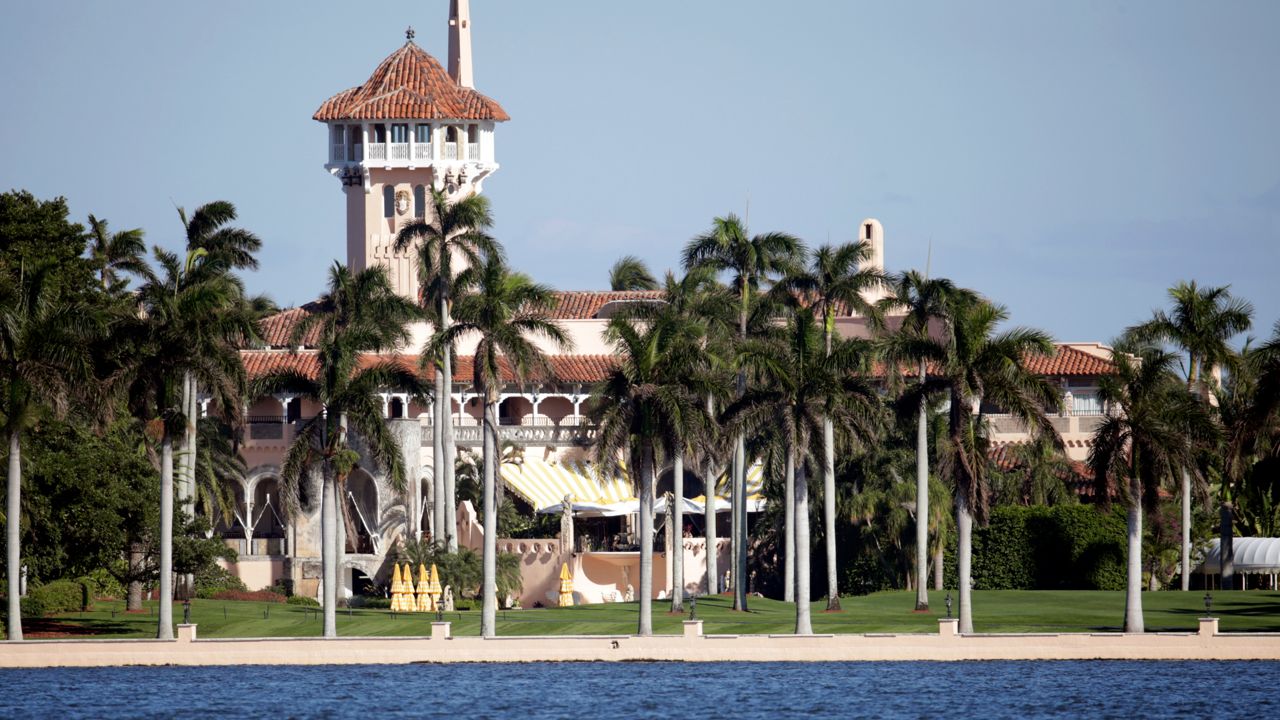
x=619 y=691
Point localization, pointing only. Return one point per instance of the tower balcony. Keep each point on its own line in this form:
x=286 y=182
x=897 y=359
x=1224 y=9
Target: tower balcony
x=409 y=145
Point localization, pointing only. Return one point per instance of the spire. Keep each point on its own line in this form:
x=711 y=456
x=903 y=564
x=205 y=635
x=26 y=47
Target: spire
x=460 y=43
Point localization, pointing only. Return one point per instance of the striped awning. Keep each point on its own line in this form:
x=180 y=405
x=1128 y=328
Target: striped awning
x=755 y=481
x=543 y=484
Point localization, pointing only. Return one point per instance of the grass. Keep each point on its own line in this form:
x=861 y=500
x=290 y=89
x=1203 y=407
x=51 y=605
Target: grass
x=995 y=611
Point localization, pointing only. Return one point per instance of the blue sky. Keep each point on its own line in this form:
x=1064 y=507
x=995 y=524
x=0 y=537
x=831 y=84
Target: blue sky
x=1069 y=159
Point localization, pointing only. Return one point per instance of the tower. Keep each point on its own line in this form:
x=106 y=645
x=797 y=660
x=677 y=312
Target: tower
x=871 y=232
x=410 y=128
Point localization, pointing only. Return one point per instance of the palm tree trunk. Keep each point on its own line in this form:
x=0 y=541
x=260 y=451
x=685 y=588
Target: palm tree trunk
x=645 y=627
x=789 y=530
x=740 y=523
x=133 y=596
x=677 y=534
x=1186 y=530
x=829 y=512
x=13 y=535
x=489 y=588
x=804 y=625
x=964 y=561
x=1226 y=545
x=189 y=494
x=446 y=438
x=164 y=631
x=440 y=417
x=1133 y=586
x=329 y=551
x=713 y=543
x=938 y=578
x=922 y=501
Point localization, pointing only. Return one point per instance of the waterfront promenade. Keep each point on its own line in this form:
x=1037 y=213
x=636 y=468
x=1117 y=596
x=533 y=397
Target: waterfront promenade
x=692 y=646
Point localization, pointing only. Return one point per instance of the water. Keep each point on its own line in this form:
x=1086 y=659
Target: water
x=619 y=691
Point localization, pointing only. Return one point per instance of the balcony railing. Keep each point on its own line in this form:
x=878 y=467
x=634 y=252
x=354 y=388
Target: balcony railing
x=377 y=151
x=473 y=151
x=547 y=435
x=422 y=151
x=450 y=151
x=338 y=153
x=399 y=151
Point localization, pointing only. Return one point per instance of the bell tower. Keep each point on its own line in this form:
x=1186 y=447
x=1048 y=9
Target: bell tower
x=411 y=128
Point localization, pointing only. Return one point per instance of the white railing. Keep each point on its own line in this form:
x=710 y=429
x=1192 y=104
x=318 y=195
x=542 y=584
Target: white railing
x=377 y=151
x=473 y=151
x=470 y=435
x=422 y=151
x=450 y=151
x=399 y=151
x=338 y=153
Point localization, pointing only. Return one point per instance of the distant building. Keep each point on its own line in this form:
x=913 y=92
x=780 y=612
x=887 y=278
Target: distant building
x=412 y=126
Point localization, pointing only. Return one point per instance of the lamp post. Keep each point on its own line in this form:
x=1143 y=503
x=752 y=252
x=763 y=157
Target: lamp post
x=186 y=611
x=948 y=601
x=1208 y=604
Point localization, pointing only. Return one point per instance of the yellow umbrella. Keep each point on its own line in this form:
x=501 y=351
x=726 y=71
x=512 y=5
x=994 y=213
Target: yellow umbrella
x=425 y=604
x=410 y=603
x=434 y=587
x=397 y=588
x=566 y=586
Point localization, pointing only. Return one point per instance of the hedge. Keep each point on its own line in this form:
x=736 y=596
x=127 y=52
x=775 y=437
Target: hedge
x=1064 y=547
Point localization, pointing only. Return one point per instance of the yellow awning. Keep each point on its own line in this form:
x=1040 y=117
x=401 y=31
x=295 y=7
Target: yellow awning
x=543 y=484
x=755 y=481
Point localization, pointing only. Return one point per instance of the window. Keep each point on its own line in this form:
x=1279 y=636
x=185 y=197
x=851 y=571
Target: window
x=420 y=201
x=1086 y=403
x=396 y=409
x=451 y=134
x=422 y=134
x=379 y=133
x=867 y=230
x=388 y=201
x=293 y=411
x=400 y=133
x=339 y=134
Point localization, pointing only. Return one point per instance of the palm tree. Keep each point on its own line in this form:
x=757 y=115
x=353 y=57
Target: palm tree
x=752 y=261
x=113 y=253
x=508 y=313
x=1147 y=433
x=451 y=232
x=43 y=362
x=929 y=305
x=189 y=324
x=835 y=281
x=223 y=249
x=1203 y=321
x=801 y=385
x=630 y=273
x=359 y=316
x=979 y=365
x=1249 y=414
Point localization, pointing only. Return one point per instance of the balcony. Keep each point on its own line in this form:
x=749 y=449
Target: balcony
x=422 y=151
x=399 y=151
x=450 y=151
x=473 y=151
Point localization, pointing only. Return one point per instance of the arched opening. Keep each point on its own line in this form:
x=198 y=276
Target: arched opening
x=395 y=409
x=511 y=410
x=388 y=201
x=419 y=201
x=361 y=513
x=231 y=527
x=268 y=518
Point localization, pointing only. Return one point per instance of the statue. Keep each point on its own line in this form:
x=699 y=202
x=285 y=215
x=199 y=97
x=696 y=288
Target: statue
x=630 y=595
x=448 y=598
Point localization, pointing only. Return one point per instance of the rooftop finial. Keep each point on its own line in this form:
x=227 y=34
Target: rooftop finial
x=408 y=34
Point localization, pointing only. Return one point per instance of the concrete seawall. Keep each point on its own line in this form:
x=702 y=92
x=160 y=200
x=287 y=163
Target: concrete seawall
x=692 y=646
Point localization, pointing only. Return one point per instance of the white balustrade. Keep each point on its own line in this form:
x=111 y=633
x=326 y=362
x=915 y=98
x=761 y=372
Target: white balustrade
x=338 y=153
x=422 y=151
x=377 y=151
x=473 y=151
x=399 y=151
x=450 y=151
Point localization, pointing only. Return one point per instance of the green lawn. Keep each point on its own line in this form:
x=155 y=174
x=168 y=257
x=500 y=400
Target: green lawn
x=887 y=612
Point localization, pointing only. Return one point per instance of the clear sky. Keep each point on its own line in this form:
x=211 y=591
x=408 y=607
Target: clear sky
x=1069 y=159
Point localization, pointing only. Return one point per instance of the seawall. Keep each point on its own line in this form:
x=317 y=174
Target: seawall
x=692 y=646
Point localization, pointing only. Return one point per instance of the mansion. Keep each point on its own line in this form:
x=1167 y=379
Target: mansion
x=413 y=125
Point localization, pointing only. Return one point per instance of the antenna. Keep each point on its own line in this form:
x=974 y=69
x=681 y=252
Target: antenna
x=928 y=259
x=746 y=219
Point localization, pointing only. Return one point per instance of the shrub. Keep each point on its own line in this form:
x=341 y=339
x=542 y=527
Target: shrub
x=215 y=579
x=102 y=585
x=33 y=606
x=370 y=601
x=302 y=600
x=1064 y=547
x=60 y=596
x=254 y=596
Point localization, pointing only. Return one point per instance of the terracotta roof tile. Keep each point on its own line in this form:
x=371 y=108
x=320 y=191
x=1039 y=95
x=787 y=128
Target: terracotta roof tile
x=565 y=368
x=410 y=84
x=586 y=304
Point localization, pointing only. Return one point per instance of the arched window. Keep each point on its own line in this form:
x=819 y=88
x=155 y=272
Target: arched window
x=388 y=201
x=420 y=201
x=396 y=409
